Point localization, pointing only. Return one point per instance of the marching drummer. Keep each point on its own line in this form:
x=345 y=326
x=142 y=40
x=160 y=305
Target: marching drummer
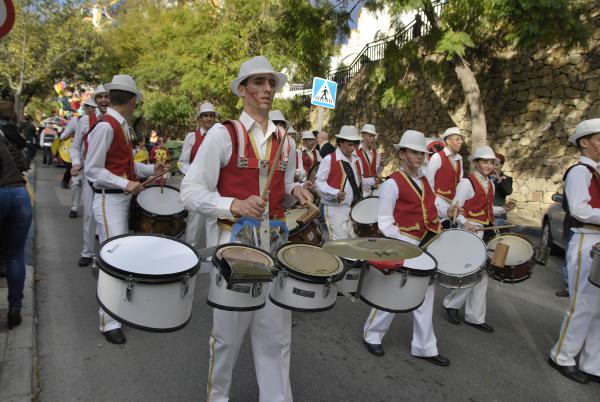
x=224 y=182
x=370 y=159
x=195 y=232
x=309 y=155
x=580 y=329
x=445 y=170
x=339 y=181
x=407 y=212
x=110 y=167
x=475 y=199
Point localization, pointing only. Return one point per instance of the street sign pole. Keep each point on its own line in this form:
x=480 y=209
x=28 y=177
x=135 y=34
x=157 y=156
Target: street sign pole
x=320 y=118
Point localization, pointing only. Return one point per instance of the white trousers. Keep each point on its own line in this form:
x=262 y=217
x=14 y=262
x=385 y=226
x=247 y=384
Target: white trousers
x=580 y=329
x=424 y=342
x=88 y=222
x=195 y=230
x=111 y=212
x=337 y=218
x=271 y=337
x=76 y=192
x=473 y=298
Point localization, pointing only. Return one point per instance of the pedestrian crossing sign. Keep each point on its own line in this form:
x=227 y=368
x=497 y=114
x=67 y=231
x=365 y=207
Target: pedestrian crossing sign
x=324 y=93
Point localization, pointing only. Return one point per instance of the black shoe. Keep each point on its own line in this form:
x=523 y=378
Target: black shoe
x=562 y=293
x=115 y=336
x=571 y=372
x=374 y=349
x=453 y=315
x=73 y=214
x=482 y=327
x=591 y=377
x=14 y=317
x=84 y=261
x=438 y=360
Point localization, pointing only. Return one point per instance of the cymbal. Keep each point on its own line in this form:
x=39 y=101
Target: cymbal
x=373 y=248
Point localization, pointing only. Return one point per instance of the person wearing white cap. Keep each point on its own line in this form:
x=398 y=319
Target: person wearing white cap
x=445 y=169
x=309 y=155
x=407 y=212
x=195 y=231
x=475 y=200
x=580 y=329
x=224 y=182
x=110 y=167
x=78 y=153
x=370 y=159
x=339 y=184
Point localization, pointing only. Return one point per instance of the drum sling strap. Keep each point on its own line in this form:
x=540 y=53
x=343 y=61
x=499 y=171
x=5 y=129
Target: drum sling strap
x=356 y=194
x=570 y=221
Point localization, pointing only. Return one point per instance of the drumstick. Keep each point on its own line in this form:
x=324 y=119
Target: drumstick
x=265 y=191
x=454 y=213
x=152 y=178
x=495 y=228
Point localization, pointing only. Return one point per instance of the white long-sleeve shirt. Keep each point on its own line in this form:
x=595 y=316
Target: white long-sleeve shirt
x=465 y=191
x=100 y=140
x=70 y=129
x=83 y=126
x=199 y=186
x=329 y=194
x=577 y=186
x=186 y=152
x=435 y=163
x=370 y=181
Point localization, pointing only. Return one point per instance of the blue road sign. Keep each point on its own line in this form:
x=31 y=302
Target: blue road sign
x=324 y=93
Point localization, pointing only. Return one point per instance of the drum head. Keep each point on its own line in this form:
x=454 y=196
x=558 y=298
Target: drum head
x=520 y=249
x=365 y=210
x=309 y=260
x=424 y=262
x=291 y=217
x=244 y=253
x=160 y=202
x=458 y=251
x=148 y=256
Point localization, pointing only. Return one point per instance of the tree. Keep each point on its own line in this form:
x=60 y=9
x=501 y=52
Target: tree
x=50 y=41
x=460 y=29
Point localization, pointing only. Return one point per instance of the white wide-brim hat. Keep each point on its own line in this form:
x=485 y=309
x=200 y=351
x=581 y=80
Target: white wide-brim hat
x=124 y=82
x=206 y=107
x=348 y=133
x=483 y=152
x=585 y=128
x=255 y=66
x=369 y=129
x=90 y=102
x=292 y=130
x=308 y=135
x=99 y=90
x=276 y=115
x=414 y=140
x=451 y=131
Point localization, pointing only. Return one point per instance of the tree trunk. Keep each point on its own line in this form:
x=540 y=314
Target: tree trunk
x=471 y=89
x=19 y=105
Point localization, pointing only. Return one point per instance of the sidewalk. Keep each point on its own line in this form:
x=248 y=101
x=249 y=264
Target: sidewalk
x=18 y=344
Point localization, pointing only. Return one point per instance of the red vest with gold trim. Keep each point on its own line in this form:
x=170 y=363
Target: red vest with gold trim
x=447 y=178
x=307 y=161
x=92 y=120
x=239 y=178
x=480 y=207
x=336 y=176
x=119 y=158
x=369 y=164
x=198 y=138
x=414 y=213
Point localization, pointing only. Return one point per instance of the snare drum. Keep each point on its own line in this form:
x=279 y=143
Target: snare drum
x=519 y=260
x=147 y=281
x=158 y=210
x=364 y=217
x=239 y=280
x=307 y=233
x=304 y=278
x=397 y=286
x=460 y=255
x=350 y=277
x=594 y=277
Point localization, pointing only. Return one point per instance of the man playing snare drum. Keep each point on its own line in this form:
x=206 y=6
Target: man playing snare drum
x=223 y=182
x=407 y=212
x=580 y=329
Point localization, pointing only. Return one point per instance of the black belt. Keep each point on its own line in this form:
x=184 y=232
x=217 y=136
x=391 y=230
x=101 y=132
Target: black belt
x=105 y=190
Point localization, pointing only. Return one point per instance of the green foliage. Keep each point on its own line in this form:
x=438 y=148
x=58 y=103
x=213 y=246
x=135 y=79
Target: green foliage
x=168 y=112
x=454 y=44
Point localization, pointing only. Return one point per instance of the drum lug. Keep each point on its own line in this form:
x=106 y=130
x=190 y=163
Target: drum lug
x=218 y=279
x=282 y=279
x=404 y=278
x=129 y=290
x=94 y=268
x=326 y=291
x=185 y=286
x=257 y=289
x=431 y=280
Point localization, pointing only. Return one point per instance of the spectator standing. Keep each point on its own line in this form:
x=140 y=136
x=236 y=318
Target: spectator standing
x=503 y=186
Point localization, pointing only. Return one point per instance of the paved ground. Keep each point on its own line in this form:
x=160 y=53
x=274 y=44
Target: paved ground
x=329 y=362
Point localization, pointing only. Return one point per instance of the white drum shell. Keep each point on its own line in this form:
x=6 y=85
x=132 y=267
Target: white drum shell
x=252 y=296
x=387 y=292
x=158 y=307
x=295 y=294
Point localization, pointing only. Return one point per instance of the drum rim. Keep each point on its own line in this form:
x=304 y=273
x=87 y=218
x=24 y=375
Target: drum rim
x=358 y=202
x=221 y=246
x=280 y=266
x=150 y=278
x=299 y=226
x=182 y=212
x=416 y=271
x=387 y=309
x=479 y=268
x=303 y=310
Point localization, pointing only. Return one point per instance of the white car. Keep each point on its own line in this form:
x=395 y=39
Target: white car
x=553 y=225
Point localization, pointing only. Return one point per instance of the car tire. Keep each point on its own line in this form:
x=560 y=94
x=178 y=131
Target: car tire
x=547 y=239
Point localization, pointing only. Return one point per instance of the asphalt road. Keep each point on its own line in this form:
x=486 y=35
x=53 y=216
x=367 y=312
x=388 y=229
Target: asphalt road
x=329 y=361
